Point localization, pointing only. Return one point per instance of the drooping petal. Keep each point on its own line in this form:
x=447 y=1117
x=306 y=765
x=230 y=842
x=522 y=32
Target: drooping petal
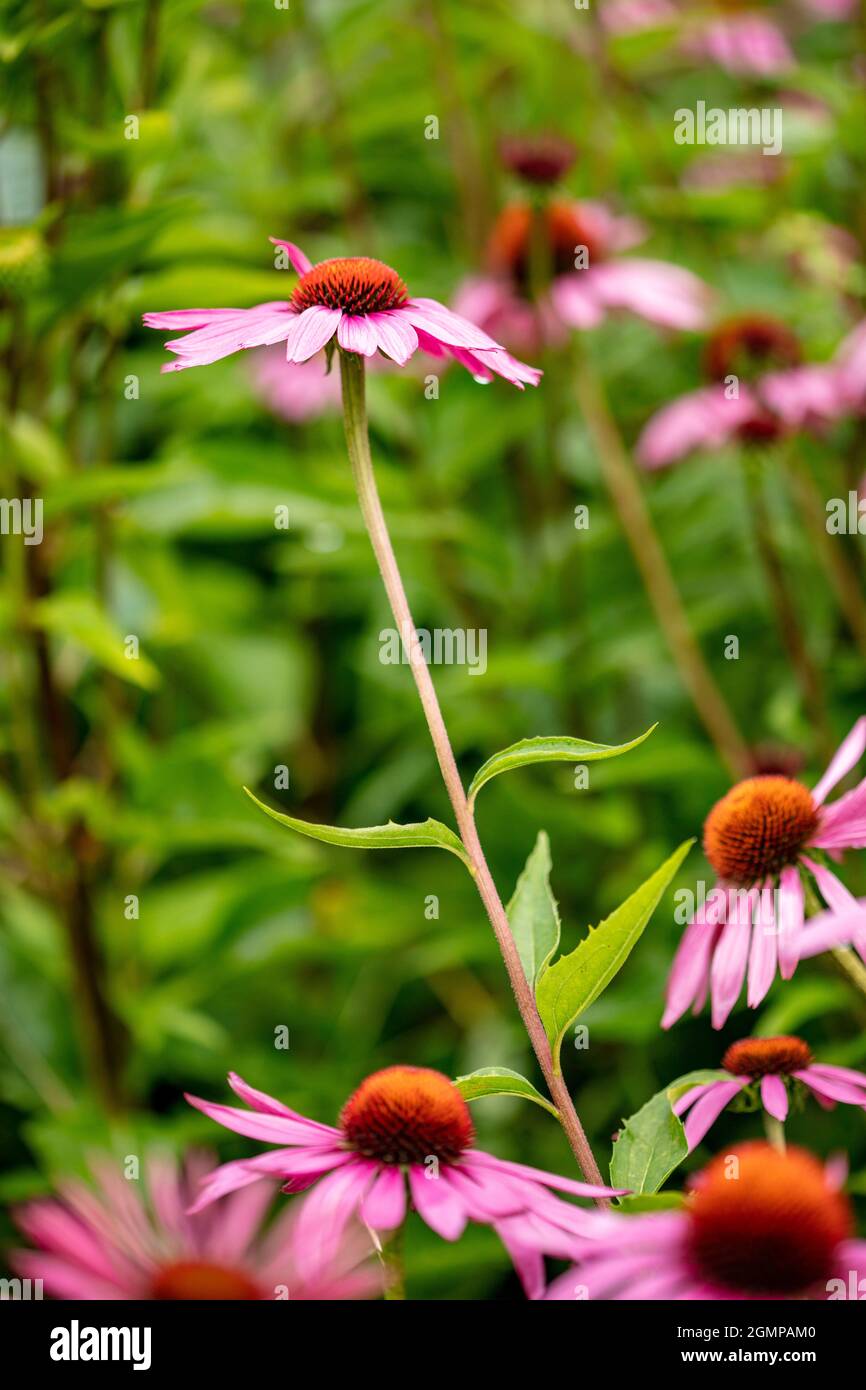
x=709 y=1108
x=792 y=906
x=526 y=1257
x=691 y=966
x=384 y=1206
x=445 y=326
x=269 y=1105
x=479 y=1158
x=700 y=420
x=299 y=261
x=310 y=331
x=687 y=1100
x=273 y=1129
x=573 y=300
x=395 y=334
x=655 y=290
x=762 y=956
x=854 y=1078
x=188 y=318
x=830 y=1087
x=356 y=334
x=437 y=1203
x=774 y=1097
x=848 y=754
x=731 y=957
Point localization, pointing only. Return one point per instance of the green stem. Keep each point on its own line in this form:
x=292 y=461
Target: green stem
x=358 y=445
x=775 y=1132
x=394 y=1265
x=851 y=966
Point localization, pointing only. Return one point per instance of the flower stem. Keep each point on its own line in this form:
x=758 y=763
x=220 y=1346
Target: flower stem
x=775 y=1132
x=842 y=577
x=628 y=499
x=394 y=1266
x=358 y=444
x=851 y=965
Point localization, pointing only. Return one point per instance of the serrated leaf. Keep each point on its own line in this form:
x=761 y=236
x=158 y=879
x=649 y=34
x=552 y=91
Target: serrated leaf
x=547 y=750
x=500 y=1081
x=424 y=834
x=532 y=913
x=652 y=1142
x=570 y=985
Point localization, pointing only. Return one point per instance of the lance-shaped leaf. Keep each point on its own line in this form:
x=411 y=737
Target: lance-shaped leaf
x=652 y=1142
x=547 y=750
x=425 y=834
x=532 y=912
x=572 y=983
x=500 y=1081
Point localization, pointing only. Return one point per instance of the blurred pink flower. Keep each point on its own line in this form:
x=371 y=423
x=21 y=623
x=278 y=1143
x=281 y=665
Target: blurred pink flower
x=783 y=1230
x=119 y=1242
x=767 y=1063
x=851 y=362
x=756 y=839
x=403 y=1124
x=744 y=43
x=581 y=233
x=829 y=9
x=796 y=396
x=296 y=391
x=361 y=303
x=634 y=16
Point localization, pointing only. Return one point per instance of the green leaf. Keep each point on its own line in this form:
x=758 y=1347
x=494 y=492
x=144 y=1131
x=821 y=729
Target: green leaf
x=547 y=750
x=428 y=833
x=532 y=912
x=571 y=984
x=78 y=617
x=652 y=1143
x=500 y=1081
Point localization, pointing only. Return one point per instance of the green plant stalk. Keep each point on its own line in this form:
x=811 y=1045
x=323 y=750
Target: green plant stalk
x=394 y=1266
x=775 y=1132
x=358 y=444
x=664 y=596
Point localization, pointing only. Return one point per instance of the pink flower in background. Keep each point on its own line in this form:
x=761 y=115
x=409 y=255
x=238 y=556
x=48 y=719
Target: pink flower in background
x=743 y=42
x=781 y=1230
x=403 y=1127
x=296 y=391
x=130 y=1239
x=767 y=1063
x=742 y=405
x=829 y=9
x=573 y=234
x=756 y=839
x=635 y=16
x=851 y=363
x=361 y=303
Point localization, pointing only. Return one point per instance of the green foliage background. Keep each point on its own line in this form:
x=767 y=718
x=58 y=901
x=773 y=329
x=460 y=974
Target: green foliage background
x=260 y=647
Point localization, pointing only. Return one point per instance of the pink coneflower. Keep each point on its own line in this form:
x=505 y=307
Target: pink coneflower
x=759 y=1224
x=121 y=1241
x=361 y=303
x=761 y=392
x=582 y=245
x=756 y=839
x=769 y=1068
x=742 y=41
x=541 y=160
x=636 y=16
x=402 y=1126
x=296 y=391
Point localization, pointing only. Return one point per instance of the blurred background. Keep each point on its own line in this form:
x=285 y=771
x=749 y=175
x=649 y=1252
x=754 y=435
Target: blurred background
x=155 y=929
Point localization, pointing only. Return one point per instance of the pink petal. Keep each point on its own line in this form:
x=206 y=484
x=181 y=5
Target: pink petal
x=709 y=1108
x=774 y=1097
x=762 y=957
x=687 y=1100
x=273 y=1129
x=855 y=1078
x=356 y=334
x=384 y=1206
x=396 y=336
x=300 y=262
x=479 y=1158
x=444 y=326
x=188 y=318
x=792 y=906
x=691 y=965
x=847 y=756
x=527 y=1259
x=701 y=420
x=269 y=1105
x=655 y=290
x=310 y=331
x=731 y=958
x=830 y=1087
x=573 y=300
x=437 y=1203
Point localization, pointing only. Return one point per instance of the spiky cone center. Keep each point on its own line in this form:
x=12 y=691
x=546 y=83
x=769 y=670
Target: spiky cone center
x=539 y=159
x=407 y=1115
x=748 y=344
x=767 y=1056
x=186 y=1280
x=766 y=1223
x=355 y=284
x=759 y=828
x=566 y=234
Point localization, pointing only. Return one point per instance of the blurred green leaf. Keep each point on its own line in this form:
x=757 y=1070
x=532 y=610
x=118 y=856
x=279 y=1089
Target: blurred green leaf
x=652 y=1143
x=80 y=619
